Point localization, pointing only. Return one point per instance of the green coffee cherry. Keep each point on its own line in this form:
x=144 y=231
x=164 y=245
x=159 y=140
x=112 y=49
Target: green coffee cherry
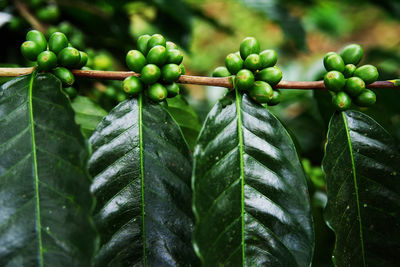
x=102 y=61
x=157 y=92
x=334 y=62
x=183 y=70
x=341 y=101
x=172 y=89
x=30 y=50
x=366 y=98
x=48 y=14
x=252 y=62
x=368 y=73
x=275 y=99
x=121 y=96
x=328 y=55
x=174 y=56
x=57 y=42
x=142 y=43
x=171 y=46
x=47 y=60
x=135 y=60
x=66 y=27
x=71 y=92
x=334 y=81
x=233 y=63
x=261 y=92
x=349 y=69
x=65 y=75
x=271 y=75
x=352 y=54
x=83 y=59
x=132 y=85
x=244 y=79
x=221 y=72
x=156 y=39
x=249 y=46
x=69 y=57
x=170 y=73
x=268 y=58
x=157 y=55
x=150 y=74
x=38 y=38
x=354 y=86
x=111 y=92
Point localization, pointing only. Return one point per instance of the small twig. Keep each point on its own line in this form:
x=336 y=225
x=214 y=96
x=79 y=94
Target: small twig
x=186 y=79
x=35 y=23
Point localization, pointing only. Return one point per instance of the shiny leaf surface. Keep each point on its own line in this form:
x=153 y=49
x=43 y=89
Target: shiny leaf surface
x=44 y=187
x=87 y=114
x=250 y=194
x=186 y=118
x=362 y=166
x=142 y=168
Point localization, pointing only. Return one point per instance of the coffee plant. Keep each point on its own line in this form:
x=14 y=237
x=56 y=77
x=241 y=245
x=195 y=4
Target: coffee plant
x=128 y=175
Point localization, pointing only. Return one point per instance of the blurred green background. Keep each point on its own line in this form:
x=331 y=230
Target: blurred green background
x=207 y=30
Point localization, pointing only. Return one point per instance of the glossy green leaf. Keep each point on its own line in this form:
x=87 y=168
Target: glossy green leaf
x=362 y=166
x=142 y=168
x=250 y=194
x=185 y=117
x=44 y=187
x=87 y=114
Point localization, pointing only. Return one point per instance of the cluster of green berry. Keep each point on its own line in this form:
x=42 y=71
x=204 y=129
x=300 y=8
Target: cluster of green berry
x=255 y=71
x=75 y=36
x=159 y=63
x=346 y=81
x=56 y=55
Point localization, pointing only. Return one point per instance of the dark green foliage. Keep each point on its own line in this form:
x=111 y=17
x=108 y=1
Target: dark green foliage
x=362 y=164
x=143 y=207
x=250 y=194
x=44 y=186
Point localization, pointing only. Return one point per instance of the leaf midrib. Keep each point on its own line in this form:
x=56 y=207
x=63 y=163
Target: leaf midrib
x=355 y=184
x=240 y=135
x=140 y=100
x=34 y=157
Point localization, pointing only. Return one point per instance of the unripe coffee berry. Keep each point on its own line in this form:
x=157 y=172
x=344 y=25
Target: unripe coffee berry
x=268 y=58
x=367 y=73
x=233 y=63
x=157 y=92
x=135 y=60
x=261 y=92
x=132 y=85
x=57 y=42
x=221 y=72
x=69 y=57
x=352 y=54
x=354 y=86
x=341 y=101
x=38 y=38
x=271 y=75
x=244 y=79
x=252 y=62
x=157 y=55
x=170 y=73
x=150 y=74
x=47 y=60
x=334 y=81
x=30 y=50
x=249 y=46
